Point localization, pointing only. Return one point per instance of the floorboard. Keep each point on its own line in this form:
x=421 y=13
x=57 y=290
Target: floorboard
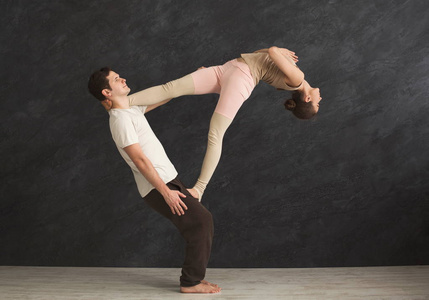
x=402 y=282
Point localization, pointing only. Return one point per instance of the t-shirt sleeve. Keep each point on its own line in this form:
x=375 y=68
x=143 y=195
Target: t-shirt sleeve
x=124 y=133
x=142 y=108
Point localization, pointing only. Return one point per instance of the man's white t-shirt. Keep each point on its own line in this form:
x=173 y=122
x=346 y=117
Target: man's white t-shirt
x=129 y=126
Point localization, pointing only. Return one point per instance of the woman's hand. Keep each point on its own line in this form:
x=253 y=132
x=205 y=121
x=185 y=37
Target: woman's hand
x=285 y=61
x=289 y=53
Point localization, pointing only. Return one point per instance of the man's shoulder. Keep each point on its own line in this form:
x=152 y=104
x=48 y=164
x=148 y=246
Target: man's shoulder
x=118 y=117
x=121 y=118
x=125 y=113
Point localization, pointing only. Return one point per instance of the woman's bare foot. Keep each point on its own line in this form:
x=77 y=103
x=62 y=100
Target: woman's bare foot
x=107 y=104
x=209 y=283
x=201 y=288
x=194 y=193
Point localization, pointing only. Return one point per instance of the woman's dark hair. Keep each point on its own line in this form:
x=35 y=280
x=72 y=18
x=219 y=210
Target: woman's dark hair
x=98 y=82
x=301 y=109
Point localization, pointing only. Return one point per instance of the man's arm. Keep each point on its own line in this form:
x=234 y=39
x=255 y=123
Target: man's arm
x=150 y=107
x=145 y=167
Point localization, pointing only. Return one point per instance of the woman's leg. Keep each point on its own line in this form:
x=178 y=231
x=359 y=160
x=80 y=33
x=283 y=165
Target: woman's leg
x=204 y=81
x=179 y=87
x=236 y=87
x=218 y=126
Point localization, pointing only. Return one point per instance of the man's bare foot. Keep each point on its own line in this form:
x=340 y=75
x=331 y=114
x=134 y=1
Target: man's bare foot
x=209 y=283
x=201 y=288
x=194 y=193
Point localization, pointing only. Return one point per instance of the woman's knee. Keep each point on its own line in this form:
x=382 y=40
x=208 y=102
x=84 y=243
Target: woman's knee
x=215 y=137
x=218 y=126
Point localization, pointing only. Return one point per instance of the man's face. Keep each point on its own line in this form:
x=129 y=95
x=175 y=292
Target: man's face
x=118 y=85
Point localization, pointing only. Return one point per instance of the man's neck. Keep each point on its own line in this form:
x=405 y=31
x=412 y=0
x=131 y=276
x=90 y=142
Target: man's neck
x=120 y=102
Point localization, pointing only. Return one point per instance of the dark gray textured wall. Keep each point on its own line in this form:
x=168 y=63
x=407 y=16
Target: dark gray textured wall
x=349 y=188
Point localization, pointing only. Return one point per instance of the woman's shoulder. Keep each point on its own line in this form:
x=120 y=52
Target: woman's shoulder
x=255 y=54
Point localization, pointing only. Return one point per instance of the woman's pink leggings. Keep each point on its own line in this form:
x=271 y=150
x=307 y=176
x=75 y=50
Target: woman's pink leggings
x=232 y=81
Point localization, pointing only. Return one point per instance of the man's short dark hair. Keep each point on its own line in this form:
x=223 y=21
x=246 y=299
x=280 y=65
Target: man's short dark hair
x=98 y=82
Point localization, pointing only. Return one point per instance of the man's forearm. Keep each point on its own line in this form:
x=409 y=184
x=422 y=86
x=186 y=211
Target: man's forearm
x=148 y=171
x=151 y=107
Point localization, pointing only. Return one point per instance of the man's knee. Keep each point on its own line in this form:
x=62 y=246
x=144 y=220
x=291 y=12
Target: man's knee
x=203 y=222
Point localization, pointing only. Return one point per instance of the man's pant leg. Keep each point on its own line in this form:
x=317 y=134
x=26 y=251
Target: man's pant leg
x=195 y=226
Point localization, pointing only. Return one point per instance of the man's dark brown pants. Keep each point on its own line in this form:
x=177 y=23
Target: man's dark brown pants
x=195 y=226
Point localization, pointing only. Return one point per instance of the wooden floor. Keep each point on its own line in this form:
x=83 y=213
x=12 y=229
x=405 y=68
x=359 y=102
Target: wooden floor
x=409 y=282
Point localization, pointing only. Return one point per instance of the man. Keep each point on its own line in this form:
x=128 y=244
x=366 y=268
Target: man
x=156 y=176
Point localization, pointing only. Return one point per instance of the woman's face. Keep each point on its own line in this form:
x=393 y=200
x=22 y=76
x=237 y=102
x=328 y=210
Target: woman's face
x=315 y=98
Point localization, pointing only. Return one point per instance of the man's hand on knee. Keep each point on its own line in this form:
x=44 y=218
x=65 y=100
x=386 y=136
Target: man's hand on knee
x=177 y=206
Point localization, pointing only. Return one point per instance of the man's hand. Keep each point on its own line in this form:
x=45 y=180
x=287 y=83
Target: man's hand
x=172 y=198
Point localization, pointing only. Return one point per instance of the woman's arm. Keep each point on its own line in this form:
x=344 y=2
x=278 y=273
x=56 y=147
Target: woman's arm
x=283 y=59
x=284 y=51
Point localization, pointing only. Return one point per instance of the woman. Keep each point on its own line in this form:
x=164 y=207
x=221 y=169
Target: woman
x=234 y=81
